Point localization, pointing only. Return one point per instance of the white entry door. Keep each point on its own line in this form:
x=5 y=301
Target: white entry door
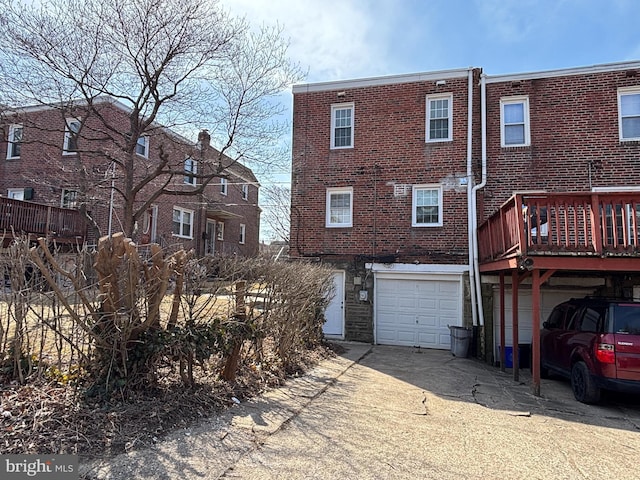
x=334 y=314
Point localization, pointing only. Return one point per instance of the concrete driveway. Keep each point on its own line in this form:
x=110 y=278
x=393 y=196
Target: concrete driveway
x=380 y=412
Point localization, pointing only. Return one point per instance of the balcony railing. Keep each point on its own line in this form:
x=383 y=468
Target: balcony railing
x=572 y=224
x=27 y=218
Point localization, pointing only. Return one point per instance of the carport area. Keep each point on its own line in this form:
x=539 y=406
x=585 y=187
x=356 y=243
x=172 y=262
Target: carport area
x=392 y=412
x=536 y=236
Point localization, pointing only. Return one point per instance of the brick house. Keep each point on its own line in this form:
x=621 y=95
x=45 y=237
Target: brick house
x=380 y=180
x=63 y=158
x=391 y=174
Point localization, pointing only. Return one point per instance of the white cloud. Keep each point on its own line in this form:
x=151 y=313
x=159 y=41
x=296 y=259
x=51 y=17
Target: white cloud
x=333 y=39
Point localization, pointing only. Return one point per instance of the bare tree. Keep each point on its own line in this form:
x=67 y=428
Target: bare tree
x=183 y=64
x=277 y=201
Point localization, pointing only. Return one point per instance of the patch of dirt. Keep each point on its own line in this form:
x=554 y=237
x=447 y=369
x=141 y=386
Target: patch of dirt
x=46 y=417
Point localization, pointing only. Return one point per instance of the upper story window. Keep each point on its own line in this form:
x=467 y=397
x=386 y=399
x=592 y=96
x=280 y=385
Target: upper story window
x=182 y=222
x=71 y=136
x=69 y=198
x=190 y=169
x=427 y=206
x=223 y=186
x=439 y=117
x=342 y=125
x=629 y=113
x=14 y=141
x=514 y=122
x=142 y=146
x=245 y=191
x=16 y=193
x=339 y=207
x=243 y=233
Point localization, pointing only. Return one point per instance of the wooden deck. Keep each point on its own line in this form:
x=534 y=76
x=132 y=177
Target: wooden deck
x=581 y=231
x=20 y=218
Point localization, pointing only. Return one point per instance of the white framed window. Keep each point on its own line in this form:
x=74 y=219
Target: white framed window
x=220 y=231
x=629 y=113
x=71 y=130
x=190 y=170
x=182 y=222
x=245 y=191
x=439 y=117
x=514 y=122
x=243 y=233
x=14 y=143
x=342 y=122
x=142 y=146
x=223 y=186
x=69 y=198
x=339 y=207
x=16 y=193
x=427 y=206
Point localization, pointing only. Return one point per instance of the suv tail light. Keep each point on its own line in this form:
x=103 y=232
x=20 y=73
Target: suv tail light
x=606 y=352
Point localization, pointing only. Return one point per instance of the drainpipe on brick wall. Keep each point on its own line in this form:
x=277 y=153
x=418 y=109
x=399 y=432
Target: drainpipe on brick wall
x=474 y=200
x=470 y=211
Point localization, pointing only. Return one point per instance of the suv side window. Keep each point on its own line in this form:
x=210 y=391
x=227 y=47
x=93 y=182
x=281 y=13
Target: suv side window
x=592 y=319
x=571 y=318
x=556 y=319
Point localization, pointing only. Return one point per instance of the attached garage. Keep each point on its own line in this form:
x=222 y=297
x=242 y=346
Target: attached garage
x=414 y=305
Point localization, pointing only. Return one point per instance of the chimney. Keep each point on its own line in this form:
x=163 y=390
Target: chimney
x=204 y=139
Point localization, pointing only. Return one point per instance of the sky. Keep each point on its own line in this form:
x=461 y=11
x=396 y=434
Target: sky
x=349 y=39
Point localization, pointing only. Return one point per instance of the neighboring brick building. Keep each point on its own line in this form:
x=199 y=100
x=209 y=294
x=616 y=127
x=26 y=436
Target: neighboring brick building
x=387 y=170
x=64 y=158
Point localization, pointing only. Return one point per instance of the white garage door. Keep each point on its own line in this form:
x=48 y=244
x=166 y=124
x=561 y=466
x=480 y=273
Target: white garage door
x=414 y=312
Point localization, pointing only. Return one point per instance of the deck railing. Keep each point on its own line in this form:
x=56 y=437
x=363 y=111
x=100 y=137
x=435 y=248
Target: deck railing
x=27 y=218
x=579 y=224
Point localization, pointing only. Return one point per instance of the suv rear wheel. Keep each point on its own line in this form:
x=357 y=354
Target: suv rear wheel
x=583 y=386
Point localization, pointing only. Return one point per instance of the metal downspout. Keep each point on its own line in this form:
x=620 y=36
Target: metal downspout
x=483 y=182
x=470 y=211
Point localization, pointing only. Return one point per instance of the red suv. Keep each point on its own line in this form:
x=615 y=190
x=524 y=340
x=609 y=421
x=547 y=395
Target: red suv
x=596 y=343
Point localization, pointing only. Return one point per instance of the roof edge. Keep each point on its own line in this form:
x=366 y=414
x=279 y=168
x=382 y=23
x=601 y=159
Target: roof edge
x=384 y=80
x=564 y=72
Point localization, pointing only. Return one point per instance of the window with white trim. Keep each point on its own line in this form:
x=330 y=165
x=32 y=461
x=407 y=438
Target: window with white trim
x=69 y=198
x=245 y=191
x=514 y=122
x=339 y=207
x=220 y=231
x=223 y=186
x=16 y=193
x=243 y=233
x=342 y=117
x=427 y=206
x=142 y=146
x=14 y=144
x=439 y=117
x=182 y=222
x=71 y=130
x=190 y=170
x=629 y=113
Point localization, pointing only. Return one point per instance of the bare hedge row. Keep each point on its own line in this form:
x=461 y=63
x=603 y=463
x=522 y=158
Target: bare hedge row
x=118 y=318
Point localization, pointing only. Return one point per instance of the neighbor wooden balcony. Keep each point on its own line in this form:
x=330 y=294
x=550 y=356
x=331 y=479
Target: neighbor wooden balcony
x=563 y=226
x=20 y=218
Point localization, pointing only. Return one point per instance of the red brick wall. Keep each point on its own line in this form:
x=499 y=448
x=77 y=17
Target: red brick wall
x=575 y=143
x=389 y=148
